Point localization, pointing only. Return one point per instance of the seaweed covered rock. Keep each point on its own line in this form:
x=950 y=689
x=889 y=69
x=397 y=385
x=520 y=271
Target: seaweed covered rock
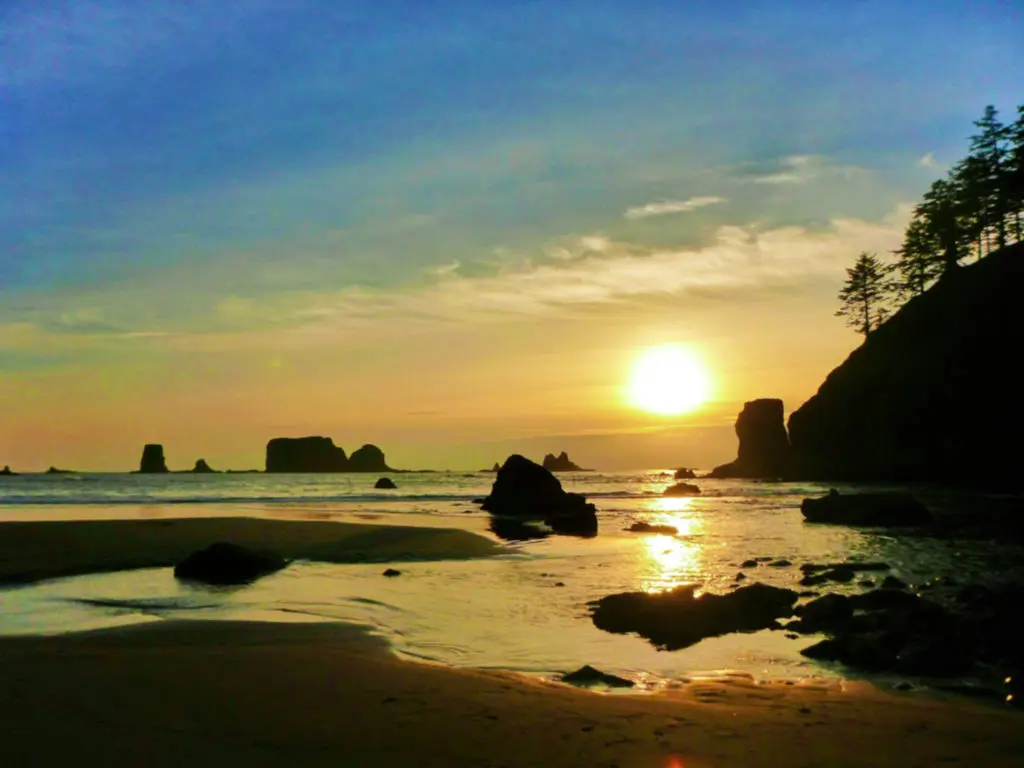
x=678 y=619
x=866 y=509
x=224 y=563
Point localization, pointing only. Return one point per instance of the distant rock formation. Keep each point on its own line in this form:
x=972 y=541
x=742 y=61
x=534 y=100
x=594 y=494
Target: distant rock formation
x=7 y=472
x=685 y=474
x=933 y=394
x=385 y=483
x=224 y=563
x=55 y=471
x=153 y=460
x=764 y=445
x=305 y=454
x=202 y=468
x=369 y=458
x=527 y=490
x=560 y=463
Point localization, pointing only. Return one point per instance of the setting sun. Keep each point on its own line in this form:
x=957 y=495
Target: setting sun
x=668 y=380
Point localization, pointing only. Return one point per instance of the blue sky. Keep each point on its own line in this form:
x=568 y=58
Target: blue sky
x=171 y=168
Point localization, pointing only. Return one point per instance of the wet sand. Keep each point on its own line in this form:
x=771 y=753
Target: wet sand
x=222 y=693
x=32 y=551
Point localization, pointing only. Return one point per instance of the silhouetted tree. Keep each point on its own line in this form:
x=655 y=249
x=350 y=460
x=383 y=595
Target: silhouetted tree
x=917 y=264
x=939 y=211
x=1015 y=171
x=988 y=176
x=866 y=294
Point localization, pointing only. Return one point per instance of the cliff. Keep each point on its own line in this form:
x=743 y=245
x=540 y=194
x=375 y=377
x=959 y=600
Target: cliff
x=932 y=395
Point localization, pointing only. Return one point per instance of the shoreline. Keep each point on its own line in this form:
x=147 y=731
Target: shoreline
x=37 y=551
x=179 y=692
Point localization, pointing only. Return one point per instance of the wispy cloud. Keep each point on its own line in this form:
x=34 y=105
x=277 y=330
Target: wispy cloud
x=666 y=207
x=927 y=160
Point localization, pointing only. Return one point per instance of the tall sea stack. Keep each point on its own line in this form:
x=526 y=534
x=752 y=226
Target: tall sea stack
x=152 y=462
x=764 y=446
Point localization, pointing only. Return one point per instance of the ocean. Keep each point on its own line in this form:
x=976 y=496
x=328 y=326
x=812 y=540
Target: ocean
x=525 y=611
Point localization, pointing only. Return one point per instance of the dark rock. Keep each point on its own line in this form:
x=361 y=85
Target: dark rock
x=780 y=563
x=741 y=576
x=224 y=563
x=560 y=463
x=55 y=471
x=748 y=564
x=681 y=489
x=854 y=567
x=764 y=445
x=386 y=483
x=587 y=675
x=676 y=619
x=866 y=509
x=668 y=530
x=866 y=583
x=7 y=472
x=369 y=458
x=153 y=460
x=826 y=614
x=685 y=474
x=931 y=395
x=891 y=582
x=305 y=454
x=392 y=572
x=514 y=529
x=526 y=490
x=559 y=584
x=202 y=467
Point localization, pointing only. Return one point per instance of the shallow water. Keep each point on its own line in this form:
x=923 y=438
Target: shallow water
x=525 y=611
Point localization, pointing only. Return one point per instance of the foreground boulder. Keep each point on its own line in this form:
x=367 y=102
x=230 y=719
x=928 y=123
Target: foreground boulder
x=677 y=619
x=152 y=461
x=305 y=454
x=681 y=489
x=560 y=463
x=202 y=468
x=526 y=490
x=385 y=483
x=866 y=509
x=224 y=564
x=764 y=444
x=369 y=458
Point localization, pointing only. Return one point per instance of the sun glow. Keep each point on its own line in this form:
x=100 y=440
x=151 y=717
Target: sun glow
x=668 y=380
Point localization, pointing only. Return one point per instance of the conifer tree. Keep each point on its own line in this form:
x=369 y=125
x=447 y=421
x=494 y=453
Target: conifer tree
x=865 y=297
x=1015 y=172
x=988 y=179
x=917 y=263
x=939 y=211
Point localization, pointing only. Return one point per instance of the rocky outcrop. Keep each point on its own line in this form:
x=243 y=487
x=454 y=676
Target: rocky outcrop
x=559 y=463
x=683 y=473
x=587 y=676
x=677 y=619
x=933 y=394
x=764 y=444
x=305 y=454
x=152 y=461
x=224 y=563
x=55 y=471
x=369 y=458
x=526 y=490
x=202 y=468
x=385 y=483
x=866 y=509
x=7 y=471
x=681 y=489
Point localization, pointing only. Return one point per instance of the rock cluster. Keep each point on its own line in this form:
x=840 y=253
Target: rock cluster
x=559 y=463
x=320 y=454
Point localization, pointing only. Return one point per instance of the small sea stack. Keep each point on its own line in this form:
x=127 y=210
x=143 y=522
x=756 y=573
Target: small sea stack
x=202 y=468
x=385 y=483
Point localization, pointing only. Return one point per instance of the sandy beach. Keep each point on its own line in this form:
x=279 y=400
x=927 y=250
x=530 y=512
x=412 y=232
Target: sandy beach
x=218 y=693
x=46 y=550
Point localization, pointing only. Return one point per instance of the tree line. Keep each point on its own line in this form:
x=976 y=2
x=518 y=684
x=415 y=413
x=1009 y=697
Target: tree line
x=975 y=210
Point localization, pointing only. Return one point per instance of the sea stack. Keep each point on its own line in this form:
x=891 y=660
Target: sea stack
x=369 y=458
x=305 y=454
x=560 y=463
x=764 y=445
x=152 y=462
x=202 y=468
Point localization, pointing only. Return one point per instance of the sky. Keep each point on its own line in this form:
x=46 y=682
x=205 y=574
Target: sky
x=450 y=227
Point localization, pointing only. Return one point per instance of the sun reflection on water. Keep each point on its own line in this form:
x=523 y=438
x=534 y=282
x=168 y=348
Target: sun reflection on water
x=673 y=560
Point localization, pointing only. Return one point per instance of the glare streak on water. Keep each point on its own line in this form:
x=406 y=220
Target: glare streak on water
x=525 y=611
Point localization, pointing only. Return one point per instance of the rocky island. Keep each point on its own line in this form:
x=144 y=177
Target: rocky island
x=320 y=454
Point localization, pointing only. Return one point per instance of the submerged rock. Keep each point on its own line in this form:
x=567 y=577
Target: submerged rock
x=681 y=489
x=526 y=490
x=866 y=509
x=677 y=619
x=764 y=444
x=225 y=563
x=152 y=461
x=642 y=527
x=587 y=675
x=386 y=483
